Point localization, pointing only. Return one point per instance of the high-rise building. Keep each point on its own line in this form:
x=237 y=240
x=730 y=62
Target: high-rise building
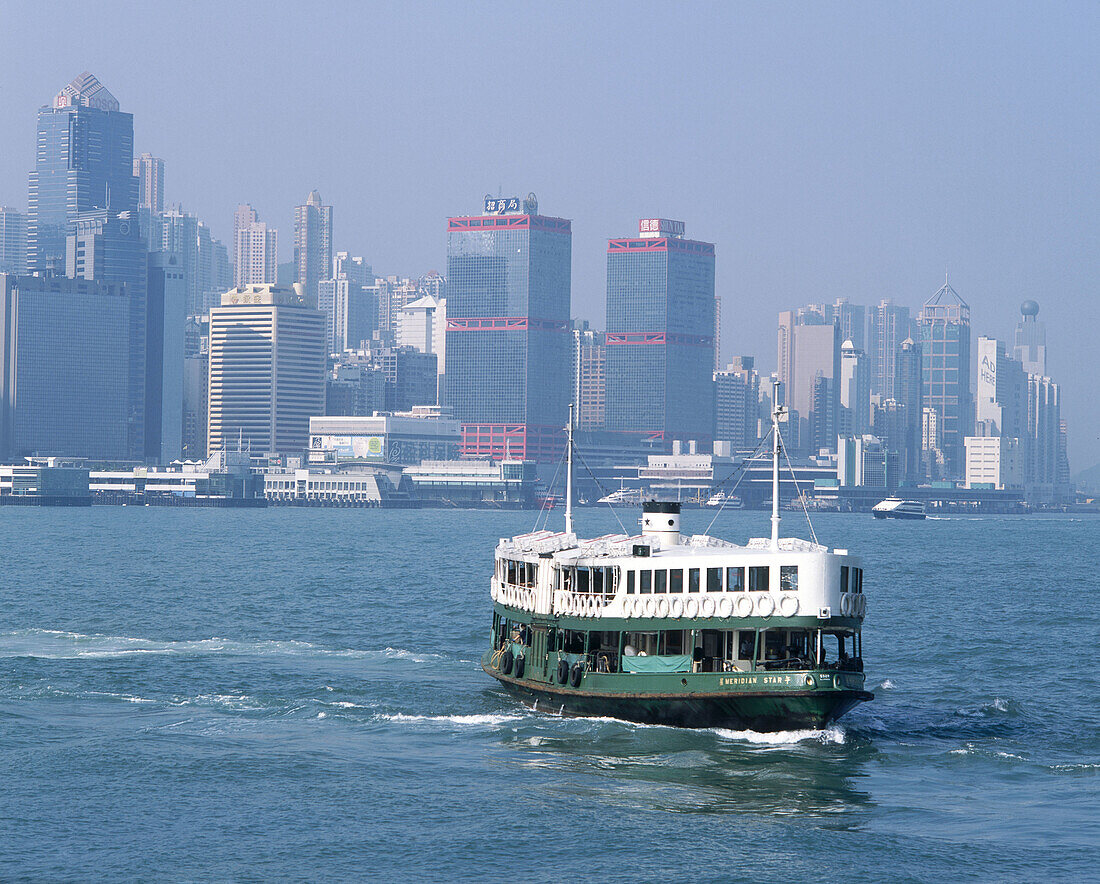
x=507 y=359
x=737 y=403
x=888 y=326
x=1000 y=407
x=164 y=357
x=107 y=246
x=215 y=273
x=84 y=162
x=589 y=393
x=1044 y=428
x=267 y=369
x=411 y=376
x=994 y=462
x=809 y=371
x=660 y=334
x=355 y=388
x=908 y=395
x=64 y=345
x=257 y=249
x=13 y=241
x=312 y=242
x=945 y=351
x=1030 y=347
x=149 y=171
x=349 y=302
x=854 y=407
x=180 y=236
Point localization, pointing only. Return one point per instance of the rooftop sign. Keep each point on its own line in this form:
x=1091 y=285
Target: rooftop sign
x=656 y=228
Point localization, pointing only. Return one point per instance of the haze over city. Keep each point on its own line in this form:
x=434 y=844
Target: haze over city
x=828 y=152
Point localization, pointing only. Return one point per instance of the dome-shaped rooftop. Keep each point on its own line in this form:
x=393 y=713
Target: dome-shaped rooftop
x=1030 y=308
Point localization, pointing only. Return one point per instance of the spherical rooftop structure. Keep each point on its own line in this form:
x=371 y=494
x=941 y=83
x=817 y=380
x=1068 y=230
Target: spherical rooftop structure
x=1030 y=308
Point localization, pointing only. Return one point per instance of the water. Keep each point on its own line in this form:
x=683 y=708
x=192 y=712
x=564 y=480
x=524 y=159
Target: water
x=295 y=694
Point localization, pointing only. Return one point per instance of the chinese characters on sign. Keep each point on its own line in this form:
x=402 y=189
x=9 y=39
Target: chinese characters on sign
x=500 y=205
x=651 y=228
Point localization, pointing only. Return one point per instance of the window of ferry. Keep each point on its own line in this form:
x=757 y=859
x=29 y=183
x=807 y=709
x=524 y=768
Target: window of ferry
x=735 y=579
x=582 y=580
x=630 y=583
x=746 y=643
x=859 y=580
x=843 y=578
x=676 y=580
x=597 y=580
x=758 y=578
x=714 y=579
x=660 y=581
x=645 y=581
x=693 y=579
x=788 y=578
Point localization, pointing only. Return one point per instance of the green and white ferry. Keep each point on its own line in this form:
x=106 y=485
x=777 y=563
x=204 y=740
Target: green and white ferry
x=691 y=631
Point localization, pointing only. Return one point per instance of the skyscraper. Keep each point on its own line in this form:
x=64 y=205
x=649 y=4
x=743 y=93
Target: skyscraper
x=256 y=248
x=736 y=403
x=888 y=326
x=508 y=367
x=312 y=242
x=57 y=396
x=945 y=375
x=809 y=371
x=660 y=334
x=164 y=357
x=589 y=378
x=908 y=395
x=84 y=162
x=107 y=246
x=267 y=369
x=13 y=241
x=149 y=171
x=1030 y=348
x=854 y=407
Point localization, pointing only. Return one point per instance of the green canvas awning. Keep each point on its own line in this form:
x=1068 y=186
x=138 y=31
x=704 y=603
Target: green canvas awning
x=662 y=663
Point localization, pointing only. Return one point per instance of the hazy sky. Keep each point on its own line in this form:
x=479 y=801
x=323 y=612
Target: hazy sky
x=829 y=150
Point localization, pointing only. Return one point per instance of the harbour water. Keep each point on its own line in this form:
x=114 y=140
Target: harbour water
x=295 y=694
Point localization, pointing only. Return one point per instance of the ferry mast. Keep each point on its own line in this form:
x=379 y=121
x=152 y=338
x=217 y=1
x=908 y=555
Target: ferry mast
x=569 y=476
x=777 y=411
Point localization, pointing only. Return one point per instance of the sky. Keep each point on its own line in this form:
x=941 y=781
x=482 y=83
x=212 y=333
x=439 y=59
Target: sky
x=828 y=150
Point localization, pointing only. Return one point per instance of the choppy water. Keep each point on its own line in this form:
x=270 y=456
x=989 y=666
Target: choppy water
x=295 y=694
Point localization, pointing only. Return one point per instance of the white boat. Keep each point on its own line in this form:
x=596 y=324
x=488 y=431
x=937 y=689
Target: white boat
x=623 y=497
x=729 y=501
x=897 y=508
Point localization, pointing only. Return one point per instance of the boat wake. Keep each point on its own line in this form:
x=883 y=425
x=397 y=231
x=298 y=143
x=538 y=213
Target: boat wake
x=831 y=735
x=52 y=644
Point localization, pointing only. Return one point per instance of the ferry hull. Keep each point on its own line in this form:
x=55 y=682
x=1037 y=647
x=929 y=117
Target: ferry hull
x=899 y=515
x=756 y=710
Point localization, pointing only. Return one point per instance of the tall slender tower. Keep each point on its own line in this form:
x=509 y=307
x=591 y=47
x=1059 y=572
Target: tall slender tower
x=660 y=334
x=508 y=366
x=150 y=175
x=945 y=373
x=257 y=249
x=312 y=242
x=84 y=162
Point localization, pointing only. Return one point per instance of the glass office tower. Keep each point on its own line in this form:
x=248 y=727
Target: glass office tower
x=945 y=373
x=508 y=336
x=660 y=334
x=84 y=162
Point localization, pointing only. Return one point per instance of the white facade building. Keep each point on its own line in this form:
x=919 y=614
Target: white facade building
x=993 y=461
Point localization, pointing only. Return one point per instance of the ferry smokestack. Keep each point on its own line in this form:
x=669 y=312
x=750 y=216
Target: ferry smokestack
x=661 y=519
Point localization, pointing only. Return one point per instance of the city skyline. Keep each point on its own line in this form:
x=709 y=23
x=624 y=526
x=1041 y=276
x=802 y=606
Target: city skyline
x=814 y=198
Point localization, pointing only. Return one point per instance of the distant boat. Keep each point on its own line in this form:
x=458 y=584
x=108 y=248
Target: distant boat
x=623 y=497
x=896 y=508
x=731 y=501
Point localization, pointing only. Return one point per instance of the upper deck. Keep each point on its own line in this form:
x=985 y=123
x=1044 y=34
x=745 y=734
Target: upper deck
x=660 y=577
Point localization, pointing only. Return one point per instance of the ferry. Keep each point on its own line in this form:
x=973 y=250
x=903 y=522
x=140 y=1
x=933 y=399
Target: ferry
x=723 y=500
x=689 y=631
x=623 y=497
x=896 y=508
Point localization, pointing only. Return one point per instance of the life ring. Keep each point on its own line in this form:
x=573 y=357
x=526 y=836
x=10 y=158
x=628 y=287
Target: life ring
x=725 y=606
x=788 y=605
x=862 y=604
x=651 y=607
x=744 y=606
x=576 y=674
x=691 y=608
x=810 y=681
x=563 y=671
x=639 y=607
x=707 y=608
x=597 y=608
x=845 y=604
x=662 y=608
x=677 y=607
x=765 y=606
x=506 y=662
x=521 y=663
